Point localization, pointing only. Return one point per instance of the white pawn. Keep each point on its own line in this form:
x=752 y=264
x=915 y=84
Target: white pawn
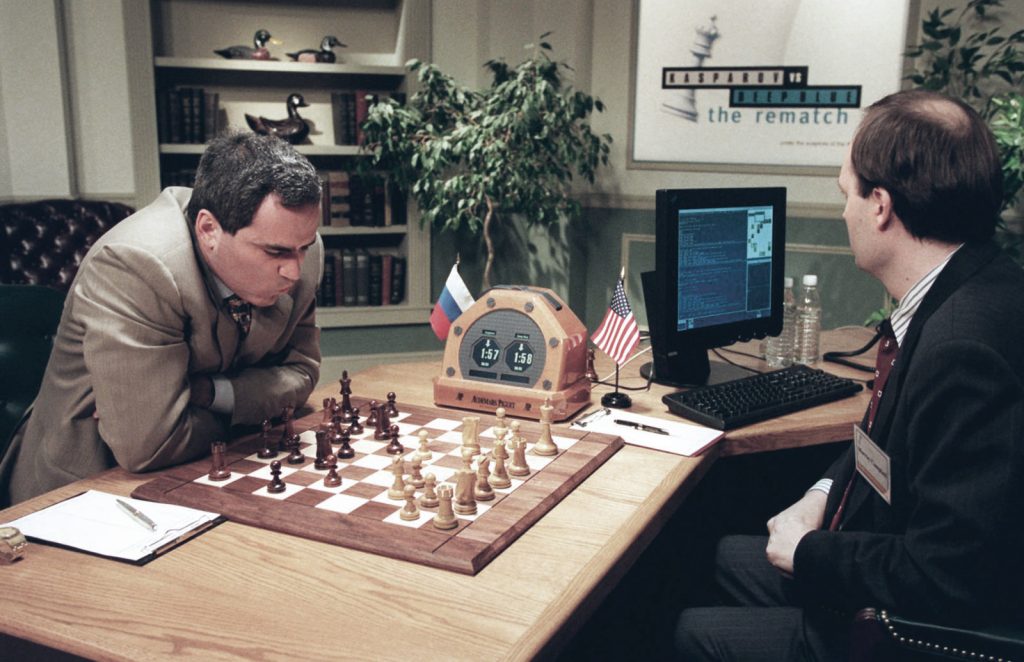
x=519 y=466
x=424 y=450
x=415 y=477
x=499 y=477
x=409 y=511
x=429 y=498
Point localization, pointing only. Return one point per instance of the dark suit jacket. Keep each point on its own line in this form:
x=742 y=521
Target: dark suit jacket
x=951 y=419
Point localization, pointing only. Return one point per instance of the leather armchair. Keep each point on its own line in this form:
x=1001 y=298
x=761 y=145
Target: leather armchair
x=29 y=315
x=42 y=243
x=881 y=636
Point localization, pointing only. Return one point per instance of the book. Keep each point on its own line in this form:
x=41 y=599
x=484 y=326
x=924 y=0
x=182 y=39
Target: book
x=348 y=277
x=362 y=278
x=397 y=279
x=114 y=526
x=376 y=285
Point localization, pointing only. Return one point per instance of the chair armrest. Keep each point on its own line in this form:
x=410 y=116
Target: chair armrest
x=876 y=630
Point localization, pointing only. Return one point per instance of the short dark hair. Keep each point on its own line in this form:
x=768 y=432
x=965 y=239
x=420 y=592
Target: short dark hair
x=239 y=169
x=937 y=159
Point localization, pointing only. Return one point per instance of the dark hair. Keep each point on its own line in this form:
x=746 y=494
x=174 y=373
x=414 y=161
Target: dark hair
x=937 y=159
x=239 y=169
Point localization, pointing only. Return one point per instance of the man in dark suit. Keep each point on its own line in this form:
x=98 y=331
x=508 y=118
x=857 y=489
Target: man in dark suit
x=923 y=513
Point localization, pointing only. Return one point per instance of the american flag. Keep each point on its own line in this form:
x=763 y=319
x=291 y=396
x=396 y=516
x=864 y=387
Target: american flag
x=618 y=334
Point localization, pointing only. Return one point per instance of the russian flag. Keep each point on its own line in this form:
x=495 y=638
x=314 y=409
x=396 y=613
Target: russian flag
x=454 y=300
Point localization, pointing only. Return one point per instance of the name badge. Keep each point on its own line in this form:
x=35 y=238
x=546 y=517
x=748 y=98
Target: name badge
x=872 y=463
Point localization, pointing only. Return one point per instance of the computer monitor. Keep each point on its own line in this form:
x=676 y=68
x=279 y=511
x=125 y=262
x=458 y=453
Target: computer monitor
x=717 y=279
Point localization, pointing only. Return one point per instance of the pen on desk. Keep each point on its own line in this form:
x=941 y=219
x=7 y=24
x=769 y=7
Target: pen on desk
x=137 y=515
x=640 y=426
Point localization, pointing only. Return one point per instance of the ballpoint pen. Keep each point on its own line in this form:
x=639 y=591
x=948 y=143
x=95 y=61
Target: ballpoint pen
x=137 y=515
x=640 y=426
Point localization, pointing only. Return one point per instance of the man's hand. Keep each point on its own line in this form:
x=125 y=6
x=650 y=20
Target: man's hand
x=200 y=391
x=786 y=529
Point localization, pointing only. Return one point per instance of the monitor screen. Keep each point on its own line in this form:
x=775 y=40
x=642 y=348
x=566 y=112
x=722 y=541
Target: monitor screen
x=718 y=277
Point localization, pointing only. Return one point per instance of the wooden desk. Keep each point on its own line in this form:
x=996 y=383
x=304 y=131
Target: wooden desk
x=239 y=592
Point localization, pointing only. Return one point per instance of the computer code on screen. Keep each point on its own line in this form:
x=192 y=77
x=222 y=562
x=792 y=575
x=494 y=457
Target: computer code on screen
x=724 y=265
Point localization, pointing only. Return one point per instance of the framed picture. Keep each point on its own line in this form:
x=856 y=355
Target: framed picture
x=777 y=86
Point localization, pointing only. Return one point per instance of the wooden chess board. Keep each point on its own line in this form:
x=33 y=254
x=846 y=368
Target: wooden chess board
x=358 y=514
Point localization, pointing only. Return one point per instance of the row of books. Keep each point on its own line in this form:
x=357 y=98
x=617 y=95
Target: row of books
x=351 y=200
x=348 y=110
x=357 y=277
x=187 y=115
x=182 y=177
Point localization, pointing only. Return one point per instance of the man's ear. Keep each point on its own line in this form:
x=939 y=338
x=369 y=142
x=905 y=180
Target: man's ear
x=208 y=229
x=881 y=200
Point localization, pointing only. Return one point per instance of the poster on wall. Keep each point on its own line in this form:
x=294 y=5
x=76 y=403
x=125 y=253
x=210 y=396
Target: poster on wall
x=778 y=83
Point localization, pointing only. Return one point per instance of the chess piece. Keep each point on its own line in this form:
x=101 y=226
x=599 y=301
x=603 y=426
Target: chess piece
x=519 y=467
x=465 y=493
x=266 y=452
x=289 y=430
x=591 y=375
x=323 y=449
x=499 y=477
x=469 y=433
x=295 y=456
x=499 y=418
x=276 y=485
x=701 y=50
x=415 y=476
x=371 y=420
x=397 y=489
x=354 y=427
x=410 y=512
x=482 y=490
x=345 y=450
x=545 y=445
x=394 y=447
x=392 y=407
x=383 y=423
x=429 y=498
x=424 y=450
x=219 y=470
x=346 y=393
x=328 y=412
x=332 y=479
x=445 y=517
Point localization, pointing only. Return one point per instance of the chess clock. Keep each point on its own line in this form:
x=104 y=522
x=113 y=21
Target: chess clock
x=515 y=348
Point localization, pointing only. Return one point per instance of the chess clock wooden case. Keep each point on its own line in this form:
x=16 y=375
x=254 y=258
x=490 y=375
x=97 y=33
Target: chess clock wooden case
x=516 y=348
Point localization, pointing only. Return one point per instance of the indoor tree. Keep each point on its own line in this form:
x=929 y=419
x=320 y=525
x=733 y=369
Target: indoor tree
x=470 y=158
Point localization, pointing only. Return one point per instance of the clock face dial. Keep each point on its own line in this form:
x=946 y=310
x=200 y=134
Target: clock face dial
x=504 y=346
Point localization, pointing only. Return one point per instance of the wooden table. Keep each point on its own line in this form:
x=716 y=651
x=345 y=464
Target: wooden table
x=238 y=592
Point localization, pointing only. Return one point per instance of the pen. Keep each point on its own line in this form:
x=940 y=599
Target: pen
x=137 y=515
x=640 y=426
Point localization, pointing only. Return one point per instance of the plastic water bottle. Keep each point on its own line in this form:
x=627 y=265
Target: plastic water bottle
x=779 y=350
x=808 y=322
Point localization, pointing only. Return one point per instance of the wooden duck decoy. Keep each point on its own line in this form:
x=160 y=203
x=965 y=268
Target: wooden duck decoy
x=324 y=54
x=293 y=129
x=258 y=51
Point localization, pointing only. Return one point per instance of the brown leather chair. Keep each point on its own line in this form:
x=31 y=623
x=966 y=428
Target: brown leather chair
x=881 y=636
x=42 y=243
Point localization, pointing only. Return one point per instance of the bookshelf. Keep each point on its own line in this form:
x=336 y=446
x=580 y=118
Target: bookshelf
x=381 y=36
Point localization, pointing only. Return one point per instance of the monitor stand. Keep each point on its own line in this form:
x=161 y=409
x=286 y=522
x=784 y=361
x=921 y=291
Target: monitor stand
x=715 y=373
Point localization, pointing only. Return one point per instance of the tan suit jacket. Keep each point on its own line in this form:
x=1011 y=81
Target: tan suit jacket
x=140 y=319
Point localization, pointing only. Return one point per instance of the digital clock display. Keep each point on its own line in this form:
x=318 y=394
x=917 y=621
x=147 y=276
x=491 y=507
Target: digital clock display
x=486 y=352
x=503 y=346
x=519 y=356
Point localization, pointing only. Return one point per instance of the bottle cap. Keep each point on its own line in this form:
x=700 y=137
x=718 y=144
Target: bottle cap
x=787 y=281
x=810 y=279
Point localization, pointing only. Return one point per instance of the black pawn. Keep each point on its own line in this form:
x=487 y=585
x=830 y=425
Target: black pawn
x=355 y=427
x=332 y=479
x=276 y=485
x=394 y=447
x=296 y=456
x=267 y=451
x=345 y=451
x=392 y=407
x=383 y=423
x=371 y=420
x=323 y=449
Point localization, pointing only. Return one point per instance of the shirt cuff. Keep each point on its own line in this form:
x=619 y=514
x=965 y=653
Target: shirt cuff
x=223 y=395
x=823 y=485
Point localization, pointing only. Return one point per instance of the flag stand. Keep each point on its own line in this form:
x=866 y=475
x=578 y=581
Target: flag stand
x=616 y=399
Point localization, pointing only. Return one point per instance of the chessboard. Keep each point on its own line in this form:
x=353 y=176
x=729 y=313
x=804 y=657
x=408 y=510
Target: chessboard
x=359 y=513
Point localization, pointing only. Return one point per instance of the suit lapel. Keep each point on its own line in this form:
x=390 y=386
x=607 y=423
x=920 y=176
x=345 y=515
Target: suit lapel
x=964 y=264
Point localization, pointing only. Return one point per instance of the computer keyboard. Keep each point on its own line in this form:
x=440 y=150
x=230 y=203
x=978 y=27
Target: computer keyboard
x=751 y=399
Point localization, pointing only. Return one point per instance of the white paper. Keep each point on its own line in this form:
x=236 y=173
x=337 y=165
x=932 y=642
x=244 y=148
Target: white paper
x=93 y=522
x=682 y=439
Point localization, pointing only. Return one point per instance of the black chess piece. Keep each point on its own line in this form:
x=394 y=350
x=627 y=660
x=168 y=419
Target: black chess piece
x=392 y=406
x=296 y=456
x=371 y=420
x=354 y=426
x=383 y=423
x=332 y=479
x=289 y=430
x=323 y=449
x=345 y=451
x=395 y=447
x=219 y=470
x=346 y=392
x=276 y=485
x=266 y=452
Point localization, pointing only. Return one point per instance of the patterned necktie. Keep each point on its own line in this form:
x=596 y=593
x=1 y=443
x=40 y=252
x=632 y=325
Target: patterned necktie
x=241 y=312
x=888 y=350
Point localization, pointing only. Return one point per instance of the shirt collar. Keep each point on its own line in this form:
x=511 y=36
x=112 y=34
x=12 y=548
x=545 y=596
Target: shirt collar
x=911 y=301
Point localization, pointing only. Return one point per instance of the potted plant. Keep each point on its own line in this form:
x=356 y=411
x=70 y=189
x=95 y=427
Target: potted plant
x=470 y=158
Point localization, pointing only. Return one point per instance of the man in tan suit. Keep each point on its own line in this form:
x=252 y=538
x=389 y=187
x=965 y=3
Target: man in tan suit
x=155 y=358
